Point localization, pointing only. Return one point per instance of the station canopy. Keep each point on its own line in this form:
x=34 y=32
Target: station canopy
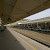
x=14 y=10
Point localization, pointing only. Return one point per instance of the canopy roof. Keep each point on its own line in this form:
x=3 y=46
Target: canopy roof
x=14 y=10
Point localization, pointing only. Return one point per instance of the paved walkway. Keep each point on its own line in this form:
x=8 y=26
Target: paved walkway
x=9 y=42
x=12 y=40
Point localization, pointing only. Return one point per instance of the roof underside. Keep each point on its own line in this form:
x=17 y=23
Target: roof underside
x=14 y=10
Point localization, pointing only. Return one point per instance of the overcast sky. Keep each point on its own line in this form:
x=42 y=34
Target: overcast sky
x=39 y=15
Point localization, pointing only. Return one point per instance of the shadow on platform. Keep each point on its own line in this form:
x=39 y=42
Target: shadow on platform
x=9 y=42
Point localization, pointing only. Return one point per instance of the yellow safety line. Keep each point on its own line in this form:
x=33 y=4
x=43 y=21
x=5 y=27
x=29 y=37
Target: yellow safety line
x=28 y=44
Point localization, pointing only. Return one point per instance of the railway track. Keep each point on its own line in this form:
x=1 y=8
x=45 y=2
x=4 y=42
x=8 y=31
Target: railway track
x=39 y=37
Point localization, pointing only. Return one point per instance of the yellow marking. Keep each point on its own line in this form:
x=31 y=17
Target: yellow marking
x=28 y=44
